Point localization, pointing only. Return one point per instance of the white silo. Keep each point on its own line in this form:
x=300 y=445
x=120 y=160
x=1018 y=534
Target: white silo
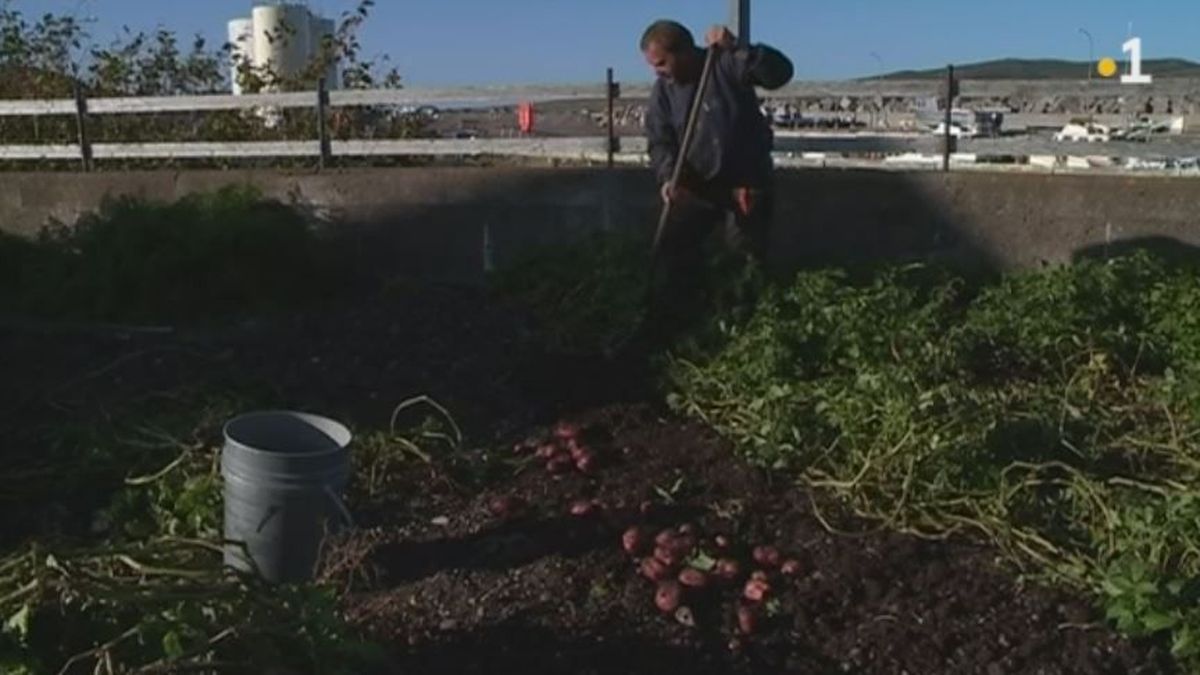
x=241 y=41
x=321 y=30
x=281 y=38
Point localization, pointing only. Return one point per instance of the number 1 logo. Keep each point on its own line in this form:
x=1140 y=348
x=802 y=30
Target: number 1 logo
x=1134 y=48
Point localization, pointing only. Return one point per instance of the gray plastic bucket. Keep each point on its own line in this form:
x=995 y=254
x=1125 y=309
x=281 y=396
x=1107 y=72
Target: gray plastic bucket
x=284 y=475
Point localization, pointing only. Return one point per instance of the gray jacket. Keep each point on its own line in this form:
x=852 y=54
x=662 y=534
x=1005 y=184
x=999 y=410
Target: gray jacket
x=732 y=142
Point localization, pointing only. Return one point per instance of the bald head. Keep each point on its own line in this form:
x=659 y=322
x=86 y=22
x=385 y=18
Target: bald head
x=670 y=50
x=672 y=36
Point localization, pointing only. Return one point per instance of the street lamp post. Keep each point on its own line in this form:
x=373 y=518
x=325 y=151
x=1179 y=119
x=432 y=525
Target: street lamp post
x=1091 y=51
x=879 y=60
x=879 y=84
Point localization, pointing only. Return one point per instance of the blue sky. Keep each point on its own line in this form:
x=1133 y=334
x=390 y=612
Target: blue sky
x=559 y=41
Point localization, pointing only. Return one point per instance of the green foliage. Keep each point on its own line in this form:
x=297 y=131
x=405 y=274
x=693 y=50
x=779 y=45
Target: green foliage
x=585 y=296
x=203 y=256
x=44 y=58
x=1048 y=413
x=588 y=294
x=144 y=606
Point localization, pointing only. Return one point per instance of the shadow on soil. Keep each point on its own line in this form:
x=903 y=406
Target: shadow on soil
x=512 y=544
x=519 y=647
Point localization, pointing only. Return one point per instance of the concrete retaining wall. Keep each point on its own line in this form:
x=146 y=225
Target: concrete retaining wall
x=451 y=222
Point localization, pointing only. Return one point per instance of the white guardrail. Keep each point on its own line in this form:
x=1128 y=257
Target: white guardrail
x=589 y=147
x=446 y=99
x=793 y=148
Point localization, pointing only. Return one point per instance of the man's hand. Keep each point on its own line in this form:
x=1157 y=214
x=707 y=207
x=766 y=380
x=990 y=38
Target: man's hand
x=671 y=192
x=745 y=200
x=668 y=192
x=721 y=37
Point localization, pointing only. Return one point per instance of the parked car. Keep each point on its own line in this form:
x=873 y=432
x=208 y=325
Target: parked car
x=956 y=130
x=1083 y=132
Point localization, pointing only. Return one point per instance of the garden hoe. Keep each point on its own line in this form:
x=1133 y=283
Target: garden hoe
x=665 y=214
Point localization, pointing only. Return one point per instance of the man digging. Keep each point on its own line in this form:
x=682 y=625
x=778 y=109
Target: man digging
x=725 y=180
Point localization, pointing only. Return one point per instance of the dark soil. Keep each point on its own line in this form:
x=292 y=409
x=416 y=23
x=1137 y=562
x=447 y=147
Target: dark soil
x=459 y=589
x=450 y=587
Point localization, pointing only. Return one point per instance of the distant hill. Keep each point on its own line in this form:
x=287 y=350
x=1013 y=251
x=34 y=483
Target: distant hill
x=1040 y=69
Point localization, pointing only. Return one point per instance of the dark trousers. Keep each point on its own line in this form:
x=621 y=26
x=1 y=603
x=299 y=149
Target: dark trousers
x=684 y=292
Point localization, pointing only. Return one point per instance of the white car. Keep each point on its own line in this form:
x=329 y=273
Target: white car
x=1087 y=132
x=956 y=130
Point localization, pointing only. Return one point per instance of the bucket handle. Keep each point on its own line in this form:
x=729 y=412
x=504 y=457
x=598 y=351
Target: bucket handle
x=340 y=507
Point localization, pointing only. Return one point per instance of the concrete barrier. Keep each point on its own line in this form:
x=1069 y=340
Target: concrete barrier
x=444 y=222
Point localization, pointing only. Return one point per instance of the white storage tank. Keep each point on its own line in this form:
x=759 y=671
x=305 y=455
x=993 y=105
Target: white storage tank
x=320 y=30
x=281 y=38
x=241 y=40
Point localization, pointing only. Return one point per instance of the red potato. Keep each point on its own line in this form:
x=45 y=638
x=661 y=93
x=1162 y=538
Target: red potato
x=693 y=578
x=667 y=556
x=558 y=464
x=566 y=430
x=767 y=556
x=576 y=448
x=547 y=451
x=634 y=540
x=504 y=506
x=668 y=596
x=756 y=590
x=727 y=570
x=646 y=507
x=654 y=570
x=582 y=507
x=682 y=545
x=790 y=567
x=665 y=538
x=747 y=619
x=585 y=461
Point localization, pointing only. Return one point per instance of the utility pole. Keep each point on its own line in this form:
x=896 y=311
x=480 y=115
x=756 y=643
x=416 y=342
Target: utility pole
x=949 y=145
x=739 y=21
x=1091 y=52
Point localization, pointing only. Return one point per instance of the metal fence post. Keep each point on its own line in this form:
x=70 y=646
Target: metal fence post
x=948 y=139
x=739 y=21
x=81 y=127
x=612 y=92
x=322 y=127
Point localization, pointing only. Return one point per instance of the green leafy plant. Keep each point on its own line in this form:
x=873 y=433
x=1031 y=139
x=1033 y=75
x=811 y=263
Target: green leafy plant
x=206 y=255
x=1045 y=413
x=585 y=296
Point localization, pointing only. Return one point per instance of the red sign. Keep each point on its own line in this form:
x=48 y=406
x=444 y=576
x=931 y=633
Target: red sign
x=525 y=118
